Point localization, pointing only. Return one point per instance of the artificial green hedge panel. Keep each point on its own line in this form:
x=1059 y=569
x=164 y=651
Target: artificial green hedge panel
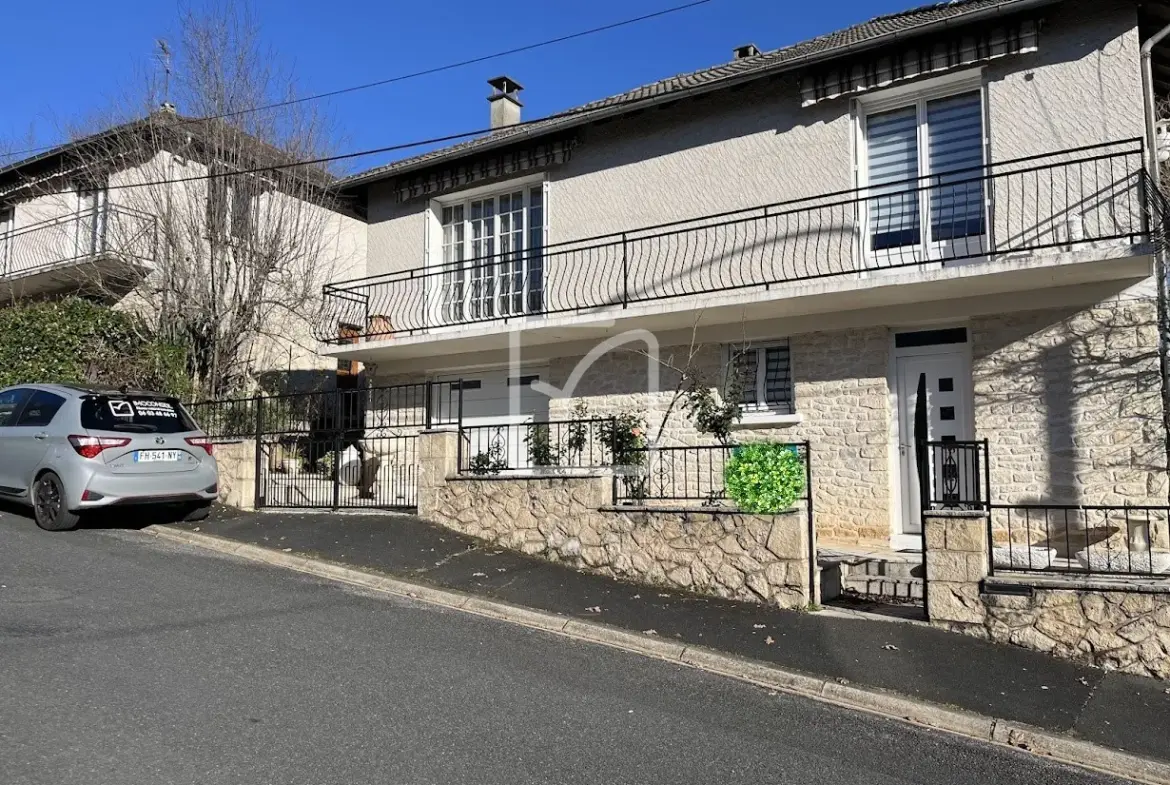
x=764 y=478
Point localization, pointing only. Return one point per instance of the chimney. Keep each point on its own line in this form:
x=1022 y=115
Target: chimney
x=746 y=51
x=505 y=101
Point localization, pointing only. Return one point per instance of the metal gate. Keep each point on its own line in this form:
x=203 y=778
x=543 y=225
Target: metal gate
x=336 y=448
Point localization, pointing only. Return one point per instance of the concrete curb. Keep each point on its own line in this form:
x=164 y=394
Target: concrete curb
x=973 y=726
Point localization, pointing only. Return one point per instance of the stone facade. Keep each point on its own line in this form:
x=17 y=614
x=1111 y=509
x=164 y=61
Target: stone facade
x=567 y=519
x=956 y=562
x=1070 y=400
x=1122 y=626
x=842 y=399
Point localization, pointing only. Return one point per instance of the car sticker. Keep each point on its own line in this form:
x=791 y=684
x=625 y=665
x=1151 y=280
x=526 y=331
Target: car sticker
x=155 y=409
x=121 y=408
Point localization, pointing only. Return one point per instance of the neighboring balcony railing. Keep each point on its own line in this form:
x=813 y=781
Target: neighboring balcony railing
x=111 y=231
x=1062 y=200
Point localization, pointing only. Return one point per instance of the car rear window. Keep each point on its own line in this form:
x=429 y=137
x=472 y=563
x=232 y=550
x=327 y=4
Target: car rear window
x=134 y=413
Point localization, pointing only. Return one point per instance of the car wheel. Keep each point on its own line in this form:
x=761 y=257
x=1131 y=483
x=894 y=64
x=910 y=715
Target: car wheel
x=49 y=508
x=198 y=512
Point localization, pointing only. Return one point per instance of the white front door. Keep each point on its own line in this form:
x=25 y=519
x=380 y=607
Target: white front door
x=945 y=376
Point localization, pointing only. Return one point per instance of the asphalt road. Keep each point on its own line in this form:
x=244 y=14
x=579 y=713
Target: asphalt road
x=126 y=661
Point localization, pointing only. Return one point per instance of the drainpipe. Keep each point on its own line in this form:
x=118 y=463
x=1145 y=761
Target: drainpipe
x=1160 y=253
x=1148 y=91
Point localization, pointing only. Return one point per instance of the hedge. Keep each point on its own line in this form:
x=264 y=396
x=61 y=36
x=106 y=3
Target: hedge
x=78 y=341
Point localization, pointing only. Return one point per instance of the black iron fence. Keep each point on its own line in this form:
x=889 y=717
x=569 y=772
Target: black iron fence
x=953 y=475
x=1059 y=200
x=673 y=474
x=548 y=444
x=1092 y=539
x=227 y=419
x=335 y=448
x=1125 y=539
x=652 y=475
x=421 y=405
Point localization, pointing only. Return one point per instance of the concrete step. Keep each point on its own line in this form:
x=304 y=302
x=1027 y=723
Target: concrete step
x=883 y=588
x=886 y=568
x=873 y=574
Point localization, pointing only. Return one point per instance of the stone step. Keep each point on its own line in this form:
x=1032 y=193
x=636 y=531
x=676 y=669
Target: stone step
x=886 y=568
x=878 y=587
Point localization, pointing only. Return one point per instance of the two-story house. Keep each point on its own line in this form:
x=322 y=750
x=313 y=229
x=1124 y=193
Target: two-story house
x=937 y=223
x=129 y=216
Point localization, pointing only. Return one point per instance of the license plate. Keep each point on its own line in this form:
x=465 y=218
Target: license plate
x=156 y=456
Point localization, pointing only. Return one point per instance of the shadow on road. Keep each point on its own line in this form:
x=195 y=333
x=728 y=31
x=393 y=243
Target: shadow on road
x=129 y=517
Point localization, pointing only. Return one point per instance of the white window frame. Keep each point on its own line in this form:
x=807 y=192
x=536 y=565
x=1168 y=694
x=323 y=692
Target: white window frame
x=92 y=206
x=7 y=224
x=918 y=95
x=227 y=222
x=763 y=413
x=433 y=247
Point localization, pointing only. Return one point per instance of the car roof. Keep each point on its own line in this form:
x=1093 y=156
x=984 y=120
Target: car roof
x=77 y=391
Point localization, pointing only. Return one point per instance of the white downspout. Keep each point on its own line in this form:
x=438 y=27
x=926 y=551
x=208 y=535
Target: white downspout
x=1151 y=109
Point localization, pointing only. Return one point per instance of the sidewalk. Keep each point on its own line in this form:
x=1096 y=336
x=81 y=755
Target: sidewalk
x=1122 y=712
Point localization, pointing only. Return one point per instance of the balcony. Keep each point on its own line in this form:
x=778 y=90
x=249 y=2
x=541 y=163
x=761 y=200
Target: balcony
x=108 y=248
x=986 y=231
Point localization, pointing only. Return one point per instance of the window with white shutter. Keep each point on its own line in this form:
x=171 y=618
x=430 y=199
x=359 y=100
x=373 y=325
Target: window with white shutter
x=923 y=170
x=892 y=144
x=955 y=141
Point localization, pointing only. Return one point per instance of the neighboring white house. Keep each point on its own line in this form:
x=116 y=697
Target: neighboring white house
x=952 y=198
x=99 y=216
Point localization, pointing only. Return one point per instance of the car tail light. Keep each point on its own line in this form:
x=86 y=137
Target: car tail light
x=200 y=441
x=92 y=446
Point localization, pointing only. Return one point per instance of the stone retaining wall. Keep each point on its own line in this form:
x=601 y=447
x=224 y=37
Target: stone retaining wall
x=1116 y=623
x=758 y=558
x=1122 y=630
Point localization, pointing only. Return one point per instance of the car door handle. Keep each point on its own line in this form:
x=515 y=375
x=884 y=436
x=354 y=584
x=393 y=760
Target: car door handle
x=40 y=437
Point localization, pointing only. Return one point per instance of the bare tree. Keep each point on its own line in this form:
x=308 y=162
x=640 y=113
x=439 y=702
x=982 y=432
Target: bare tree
x=707 y=393
x=215 y=256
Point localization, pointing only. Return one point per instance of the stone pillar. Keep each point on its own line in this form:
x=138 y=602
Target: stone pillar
x=438 y=459
x=956 y=564
x=788 y=542
x=236 y=462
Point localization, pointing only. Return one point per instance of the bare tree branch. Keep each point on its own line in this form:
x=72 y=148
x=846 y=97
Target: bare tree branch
x=215 y=265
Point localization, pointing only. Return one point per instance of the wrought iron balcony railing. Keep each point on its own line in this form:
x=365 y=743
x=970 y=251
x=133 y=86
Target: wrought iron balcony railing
x=1061 y=200
x=112 y=231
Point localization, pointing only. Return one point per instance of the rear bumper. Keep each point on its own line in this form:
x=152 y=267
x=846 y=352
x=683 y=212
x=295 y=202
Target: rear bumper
x=111 y=490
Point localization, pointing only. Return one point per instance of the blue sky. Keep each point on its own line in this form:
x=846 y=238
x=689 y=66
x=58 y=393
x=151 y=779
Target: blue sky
x=96 y=49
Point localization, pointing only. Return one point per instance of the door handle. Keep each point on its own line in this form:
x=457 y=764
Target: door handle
x=40 y=437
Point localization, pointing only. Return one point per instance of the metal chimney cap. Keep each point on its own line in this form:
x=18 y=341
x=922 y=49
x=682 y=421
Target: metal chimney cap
x=505 y=84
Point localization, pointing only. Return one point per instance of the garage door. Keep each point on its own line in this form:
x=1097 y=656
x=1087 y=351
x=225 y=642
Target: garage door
x=492 y=427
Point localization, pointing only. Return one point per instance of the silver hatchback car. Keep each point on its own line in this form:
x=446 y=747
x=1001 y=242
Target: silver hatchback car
x=65 y=450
